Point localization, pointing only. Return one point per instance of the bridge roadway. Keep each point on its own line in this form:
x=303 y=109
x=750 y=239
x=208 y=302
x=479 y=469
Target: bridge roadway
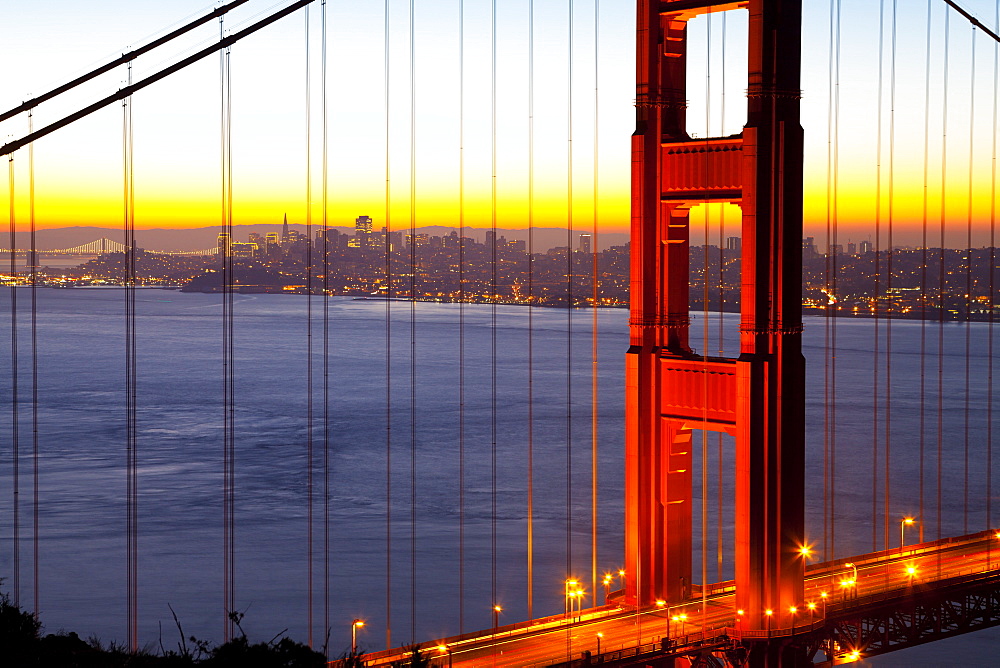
x=558 y=639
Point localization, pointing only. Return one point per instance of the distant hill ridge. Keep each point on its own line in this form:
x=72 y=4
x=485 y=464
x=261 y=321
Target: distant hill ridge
x=206 y=237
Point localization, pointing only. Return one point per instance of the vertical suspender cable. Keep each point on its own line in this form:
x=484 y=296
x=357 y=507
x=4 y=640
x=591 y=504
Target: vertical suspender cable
x=992 y=288
x=309 y=342
x=326 y=346
x=941 y=281
x=229 y=505
x=128 y=281
x=722 y=309
x=461 y=319
x=830 y=324
x=878 y=288
x=388 y=354
x=705 y=325
x=413 y=329
x=595 y=287
x=889 y=257
x=35 y=498
x=230 y=344
x=493 y=304
x=14 y=402
x=569 y=296
x=968 y=277
x=531 y=307
x=924 y=292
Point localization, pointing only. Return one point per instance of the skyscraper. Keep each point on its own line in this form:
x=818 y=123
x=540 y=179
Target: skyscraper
x=285 y=237
x=585 y=243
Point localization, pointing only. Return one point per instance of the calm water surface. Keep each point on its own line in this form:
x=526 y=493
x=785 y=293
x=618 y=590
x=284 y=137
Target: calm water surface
x=417 y=451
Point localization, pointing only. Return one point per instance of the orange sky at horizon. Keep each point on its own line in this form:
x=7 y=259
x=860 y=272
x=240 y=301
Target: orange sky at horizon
x=78 y=170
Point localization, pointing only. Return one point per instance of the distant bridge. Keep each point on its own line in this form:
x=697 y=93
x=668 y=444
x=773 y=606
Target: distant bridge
x=104 y=246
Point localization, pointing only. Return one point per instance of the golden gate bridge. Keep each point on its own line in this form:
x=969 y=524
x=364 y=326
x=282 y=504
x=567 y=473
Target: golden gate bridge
x=791 y=602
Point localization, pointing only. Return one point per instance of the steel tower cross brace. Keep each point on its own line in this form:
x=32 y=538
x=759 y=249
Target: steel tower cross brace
x=758 y=397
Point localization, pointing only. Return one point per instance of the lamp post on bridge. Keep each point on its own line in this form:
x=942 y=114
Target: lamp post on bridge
x=445 y=649
x=903 y=523
x=355 y=625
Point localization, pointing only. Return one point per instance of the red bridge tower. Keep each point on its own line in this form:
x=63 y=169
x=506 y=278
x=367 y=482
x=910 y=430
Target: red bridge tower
x=758 y=397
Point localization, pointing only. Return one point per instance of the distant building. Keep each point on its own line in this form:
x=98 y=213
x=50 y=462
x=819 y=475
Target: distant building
x=248 y=250
x=363 y=231
x=285 y=236
x=835 y=249
x=852 y=248
x=809 y=251
x=865 y=247
x=585 y=240
x=224 y=243
x=734 y=244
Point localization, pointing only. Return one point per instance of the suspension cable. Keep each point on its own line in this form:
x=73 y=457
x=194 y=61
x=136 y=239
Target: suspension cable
x=889 y=265
x=461 y=327
x=228 y=381
x=968 y=279
x=531 y=307
x=493 y=305
x=326 y=343
x=595 y=287
x=413 y=328
x=992 y=288
x=309 y=341
x=569 y=295
x=35 y=490
x=941 y=283
x=924 y=292
x=131 y=432
x=14 y=397
x=388 y=349
x=876 y=298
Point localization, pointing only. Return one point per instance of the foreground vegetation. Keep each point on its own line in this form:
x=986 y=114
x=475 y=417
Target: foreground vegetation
x=22 y=644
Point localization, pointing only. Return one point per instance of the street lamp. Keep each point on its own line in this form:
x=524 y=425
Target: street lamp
x=903 y=523
x=739 y=623
x=911 y=572
x=568 y=588
x=599 y=636
x=683 y=617
x=607 y=586
x=793 y=610
x=355 y=625
x=496 y=617
x=769 y=613
x=443 y=649
x=812 y=609
x=853 y=582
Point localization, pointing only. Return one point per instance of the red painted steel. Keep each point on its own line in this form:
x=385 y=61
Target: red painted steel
x=758 y=397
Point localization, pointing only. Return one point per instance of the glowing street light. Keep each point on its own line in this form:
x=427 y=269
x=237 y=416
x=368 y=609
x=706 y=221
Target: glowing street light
x=812 y=610
x=806 y=551
x=496 y=617
x=911 y=572
x=903 y=523
x=608 y=578
x=769 y=613
x=445 y=649
x=569 y=586
x=854 y=656
x=792 y=610
x=599 y=636
x=355 y=625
